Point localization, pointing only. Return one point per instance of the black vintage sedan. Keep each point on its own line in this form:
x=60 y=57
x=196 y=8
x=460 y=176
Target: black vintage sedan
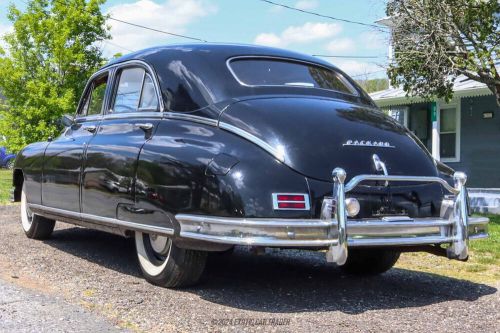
x=198 y=148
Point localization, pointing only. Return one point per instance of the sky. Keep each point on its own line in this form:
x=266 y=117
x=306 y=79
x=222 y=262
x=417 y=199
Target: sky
x=251 y=22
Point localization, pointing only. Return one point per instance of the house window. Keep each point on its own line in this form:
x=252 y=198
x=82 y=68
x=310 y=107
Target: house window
x=398 y=113
x=449 y=134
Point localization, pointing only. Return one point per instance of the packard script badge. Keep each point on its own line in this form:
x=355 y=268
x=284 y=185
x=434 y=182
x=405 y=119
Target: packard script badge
x=368 y=143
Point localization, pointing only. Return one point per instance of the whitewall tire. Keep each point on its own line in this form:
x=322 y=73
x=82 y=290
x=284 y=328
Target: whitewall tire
x=34 y=226
x=164 y=264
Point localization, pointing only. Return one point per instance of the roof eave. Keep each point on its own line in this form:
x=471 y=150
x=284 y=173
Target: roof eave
x=402 y=100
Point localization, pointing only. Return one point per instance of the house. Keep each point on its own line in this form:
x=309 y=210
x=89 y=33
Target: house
x=463 y=133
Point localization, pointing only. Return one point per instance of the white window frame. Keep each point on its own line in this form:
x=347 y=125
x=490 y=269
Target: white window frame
x=402 y=108
x=458 y=113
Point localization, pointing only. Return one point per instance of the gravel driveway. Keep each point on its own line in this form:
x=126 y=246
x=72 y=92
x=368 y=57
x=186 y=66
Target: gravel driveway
x=283 y=291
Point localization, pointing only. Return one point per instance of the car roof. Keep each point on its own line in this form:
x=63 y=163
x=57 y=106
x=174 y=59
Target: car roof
x=222 y=50
x=193 y=76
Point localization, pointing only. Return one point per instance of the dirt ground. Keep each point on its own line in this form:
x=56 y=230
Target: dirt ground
x=96 y=275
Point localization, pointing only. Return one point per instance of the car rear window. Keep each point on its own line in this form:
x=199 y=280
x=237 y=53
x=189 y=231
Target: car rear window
x=281 y=72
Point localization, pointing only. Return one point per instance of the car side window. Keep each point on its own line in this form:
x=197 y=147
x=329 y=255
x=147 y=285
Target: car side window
x=135 y=92
x=94 y=104
x=149 y=100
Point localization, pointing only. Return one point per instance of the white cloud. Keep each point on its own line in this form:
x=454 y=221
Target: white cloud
x=170 y=15
x=306 y=4
x=374 y=40
x=305 y=33
x=341 y=45
x=355 y=67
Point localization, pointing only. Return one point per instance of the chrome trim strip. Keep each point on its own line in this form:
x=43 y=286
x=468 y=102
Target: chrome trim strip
x=126 y=115
x=189 y=117
x=277 y=153
x=103 y=220
x=96 y=117
x=360 y=178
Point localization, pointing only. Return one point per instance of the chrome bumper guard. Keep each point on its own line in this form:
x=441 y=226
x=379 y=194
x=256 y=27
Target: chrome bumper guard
x=338 y=233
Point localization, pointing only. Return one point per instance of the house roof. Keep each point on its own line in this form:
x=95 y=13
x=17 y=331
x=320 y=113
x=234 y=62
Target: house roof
x=462 y=87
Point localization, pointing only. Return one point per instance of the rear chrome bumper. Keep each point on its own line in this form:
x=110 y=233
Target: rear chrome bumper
x=320 y=233
x=334 y=231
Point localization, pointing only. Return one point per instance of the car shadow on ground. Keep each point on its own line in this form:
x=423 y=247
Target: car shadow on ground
x=284 y=281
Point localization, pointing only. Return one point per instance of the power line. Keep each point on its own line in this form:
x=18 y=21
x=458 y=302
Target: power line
x=358 y=75
x=343 y=56
x=142 y=27
x=321 y=15
x=119 y=46
x=157 y=30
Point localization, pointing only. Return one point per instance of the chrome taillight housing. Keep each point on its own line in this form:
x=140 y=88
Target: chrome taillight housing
x=291 y=201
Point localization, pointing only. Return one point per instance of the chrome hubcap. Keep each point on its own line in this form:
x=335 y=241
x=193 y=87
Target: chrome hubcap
x=159 y=244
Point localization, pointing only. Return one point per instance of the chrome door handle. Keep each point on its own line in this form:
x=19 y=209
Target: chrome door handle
x=145 y=126
x=90 y=128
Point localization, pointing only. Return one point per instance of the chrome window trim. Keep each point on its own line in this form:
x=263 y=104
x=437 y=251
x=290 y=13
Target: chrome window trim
x=341 y=76
x=279 y=155
x=147 y=68
x=89 y=83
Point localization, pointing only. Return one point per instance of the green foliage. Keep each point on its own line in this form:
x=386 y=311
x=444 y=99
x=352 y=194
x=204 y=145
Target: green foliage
x=437 y=40
x=5 y=186
x=49 y=56
x=373 y=85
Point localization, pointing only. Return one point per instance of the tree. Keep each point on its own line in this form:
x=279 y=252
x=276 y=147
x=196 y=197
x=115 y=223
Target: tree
x=48 y=58
x=372 y=85
x=437 y=40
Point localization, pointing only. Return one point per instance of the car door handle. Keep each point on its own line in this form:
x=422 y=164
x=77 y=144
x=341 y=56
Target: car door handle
x=145 y=126
x=90 y=128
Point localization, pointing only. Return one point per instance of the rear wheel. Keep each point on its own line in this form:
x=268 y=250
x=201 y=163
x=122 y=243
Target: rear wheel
x=166 y=265
x=34 y=226
x=370 y=261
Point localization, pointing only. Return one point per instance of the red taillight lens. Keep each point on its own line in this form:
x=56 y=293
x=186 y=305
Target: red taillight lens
x=283 y=197
x=295 y=205
x=291 y=201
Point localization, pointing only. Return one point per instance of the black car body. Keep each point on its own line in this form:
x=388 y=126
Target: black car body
x=197 y=148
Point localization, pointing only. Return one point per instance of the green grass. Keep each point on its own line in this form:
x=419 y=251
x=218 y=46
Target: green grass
x=5 y=186
x=489 y=248
x=483 y=265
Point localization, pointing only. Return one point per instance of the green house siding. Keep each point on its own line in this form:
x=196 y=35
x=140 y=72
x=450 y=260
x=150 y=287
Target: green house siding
x=479 y=142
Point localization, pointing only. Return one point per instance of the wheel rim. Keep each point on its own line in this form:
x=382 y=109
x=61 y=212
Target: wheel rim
x=153 y=252
x=26 y=213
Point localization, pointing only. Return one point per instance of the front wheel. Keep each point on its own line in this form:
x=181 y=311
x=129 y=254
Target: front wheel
x=166 y=265
x=370 y=261
x=10 y=164
x=34 y=226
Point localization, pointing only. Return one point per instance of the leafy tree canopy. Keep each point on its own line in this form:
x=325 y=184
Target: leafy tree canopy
x=372 y=85
x=437 y=40
x=43 y=69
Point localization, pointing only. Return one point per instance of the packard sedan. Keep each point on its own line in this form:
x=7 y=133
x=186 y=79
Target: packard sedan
x=192 y=149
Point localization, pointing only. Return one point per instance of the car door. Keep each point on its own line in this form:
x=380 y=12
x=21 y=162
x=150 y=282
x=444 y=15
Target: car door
x=64 y=155
x=111 y=158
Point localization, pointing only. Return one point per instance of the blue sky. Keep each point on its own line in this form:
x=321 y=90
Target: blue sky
x=252 y=21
